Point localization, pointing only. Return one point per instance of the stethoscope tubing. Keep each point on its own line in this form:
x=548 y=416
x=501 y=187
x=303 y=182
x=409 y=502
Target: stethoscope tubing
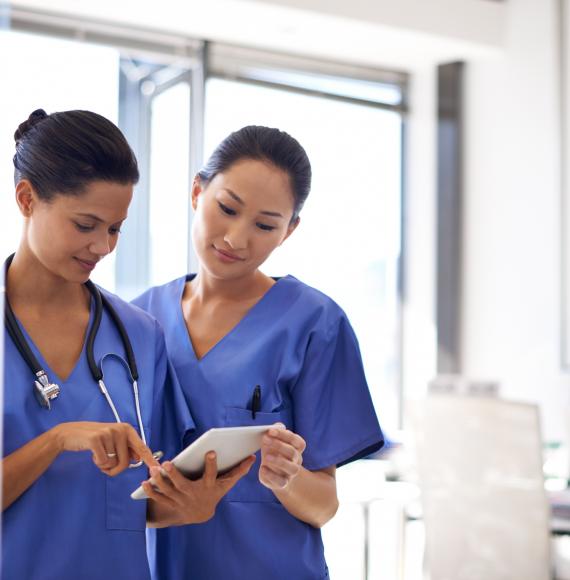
x=101 y=303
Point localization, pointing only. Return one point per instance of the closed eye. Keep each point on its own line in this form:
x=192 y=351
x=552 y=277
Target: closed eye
x=227 y=210
x=265 y=227
x=83 y=228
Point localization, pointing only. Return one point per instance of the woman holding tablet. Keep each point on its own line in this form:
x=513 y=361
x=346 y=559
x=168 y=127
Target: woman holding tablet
x=87 y=382
x=252 y=350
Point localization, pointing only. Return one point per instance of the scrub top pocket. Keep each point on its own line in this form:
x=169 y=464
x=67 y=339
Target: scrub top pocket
x=249 y=488
x=124 y=513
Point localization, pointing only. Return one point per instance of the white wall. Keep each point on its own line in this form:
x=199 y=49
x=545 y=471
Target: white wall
x=477 y=21
x=400 y=34
x=512 y=238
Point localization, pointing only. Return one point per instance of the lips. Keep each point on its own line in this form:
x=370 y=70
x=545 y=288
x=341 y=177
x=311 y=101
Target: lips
x=228 y=256
x=87 y=265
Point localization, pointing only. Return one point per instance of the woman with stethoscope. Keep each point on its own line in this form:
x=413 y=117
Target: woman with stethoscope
x=87 y=384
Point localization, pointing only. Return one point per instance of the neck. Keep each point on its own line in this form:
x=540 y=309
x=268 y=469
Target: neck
x=206 y=287
x=28 y=282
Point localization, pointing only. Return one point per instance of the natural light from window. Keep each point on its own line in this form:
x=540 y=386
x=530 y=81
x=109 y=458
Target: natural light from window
x=55 y=75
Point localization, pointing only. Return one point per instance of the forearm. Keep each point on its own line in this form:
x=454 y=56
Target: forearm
x=311 y=496
x=24 y=466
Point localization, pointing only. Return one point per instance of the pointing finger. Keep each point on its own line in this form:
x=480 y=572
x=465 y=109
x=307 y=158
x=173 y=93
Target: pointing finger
x=140 y=449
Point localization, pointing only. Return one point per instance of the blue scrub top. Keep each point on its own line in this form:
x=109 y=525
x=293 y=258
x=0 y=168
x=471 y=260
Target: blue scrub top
x=298 y=345
x=74 y=521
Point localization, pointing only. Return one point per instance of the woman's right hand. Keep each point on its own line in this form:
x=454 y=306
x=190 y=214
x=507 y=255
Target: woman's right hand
x=114 y=445
x=25 y=465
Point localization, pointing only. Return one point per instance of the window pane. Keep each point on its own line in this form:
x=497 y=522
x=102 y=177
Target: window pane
x=54 y=75
x=341 y=86
x=348 y=242
x=169 y=187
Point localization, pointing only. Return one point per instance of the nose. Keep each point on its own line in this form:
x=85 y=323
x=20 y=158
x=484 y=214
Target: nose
x=236 y=237
x=102 y=245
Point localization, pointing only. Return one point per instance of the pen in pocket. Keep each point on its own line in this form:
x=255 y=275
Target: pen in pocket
x=255 y=401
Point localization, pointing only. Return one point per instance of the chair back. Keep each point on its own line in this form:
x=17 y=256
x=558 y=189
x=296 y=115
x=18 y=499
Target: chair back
x=480 y=472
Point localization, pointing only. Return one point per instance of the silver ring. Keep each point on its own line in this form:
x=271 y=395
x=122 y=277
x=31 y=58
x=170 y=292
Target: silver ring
x=111 y=455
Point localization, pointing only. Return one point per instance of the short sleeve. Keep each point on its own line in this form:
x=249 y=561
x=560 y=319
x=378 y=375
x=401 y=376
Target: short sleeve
x=172 y=420
x=332 y=406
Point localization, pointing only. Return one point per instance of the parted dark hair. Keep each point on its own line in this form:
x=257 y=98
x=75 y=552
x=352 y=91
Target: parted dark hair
x=263 y=144
x=63 y=152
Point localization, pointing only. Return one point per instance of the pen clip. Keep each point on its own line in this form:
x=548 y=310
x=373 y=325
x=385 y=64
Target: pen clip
x=255 y=401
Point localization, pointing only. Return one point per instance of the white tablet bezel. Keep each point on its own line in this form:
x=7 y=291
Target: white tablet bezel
x=231 y=444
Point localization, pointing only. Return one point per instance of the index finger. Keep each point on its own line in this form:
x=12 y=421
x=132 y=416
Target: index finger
x=136 y=444
x=288 y=437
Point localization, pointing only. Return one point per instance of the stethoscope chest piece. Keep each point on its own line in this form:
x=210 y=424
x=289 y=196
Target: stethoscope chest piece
x=45 y=391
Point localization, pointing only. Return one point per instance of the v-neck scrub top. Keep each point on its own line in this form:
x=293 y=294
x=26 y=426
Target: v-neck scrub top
x=74 y=522
x=299 y=347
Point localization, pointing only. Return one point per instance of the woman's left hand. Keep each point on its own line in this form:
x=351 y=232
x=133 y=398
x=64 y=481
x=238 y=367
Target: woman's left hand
x=178 y=500
x=281 y=457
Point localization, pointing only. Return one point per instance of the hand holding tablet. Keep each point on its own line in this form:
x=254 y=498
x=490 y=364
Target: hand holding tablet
x=231 y=444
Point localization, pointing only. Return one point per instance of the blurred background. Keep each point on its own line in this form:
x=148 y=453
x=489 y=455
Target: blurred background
x=438 y=133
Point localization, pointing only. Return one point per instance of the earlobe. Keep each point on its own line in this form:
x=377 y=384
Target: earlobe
x=292 y=227
x=196 y=191
x=25 y=197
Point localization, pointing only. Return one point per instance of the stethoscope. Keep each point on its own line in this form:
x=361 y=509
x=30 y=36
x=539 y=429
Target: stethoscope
x=46 y=392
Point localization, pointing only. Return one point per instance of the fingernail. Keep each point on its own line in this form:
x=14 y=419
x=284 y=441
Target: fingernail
x=212 y=455
x=273 y=432
x=167 y=466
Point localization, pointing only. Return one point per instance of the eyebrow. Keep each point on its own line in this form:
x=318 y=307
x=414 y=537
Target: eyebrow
x=96 y=218
x=241 y=202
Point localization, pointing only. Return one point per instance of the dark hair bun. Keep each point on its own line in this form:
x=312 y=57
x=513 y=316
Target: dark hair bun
x=62 y=153
x=35 y=117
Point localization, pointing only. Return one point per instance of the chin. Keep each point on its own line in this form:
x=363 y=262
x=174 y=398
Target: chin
x=66 y=271
x=224 y=271
x=77 y=279
x=74 y=275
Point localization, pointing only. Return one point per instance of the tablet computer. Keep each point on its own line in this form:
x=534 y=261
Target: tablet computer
x=231 y=444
